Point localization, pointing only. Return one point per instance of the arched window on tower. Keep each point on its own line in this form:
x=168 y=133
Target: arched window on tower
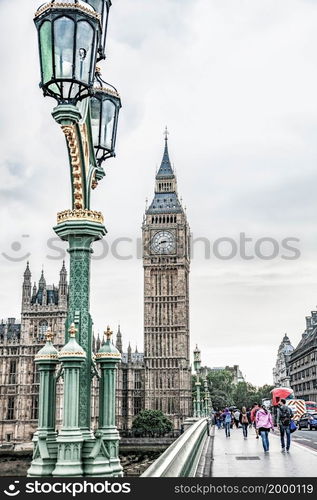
x=12 y=371
x=42 y=329
x=35 y=408
x=35 y=374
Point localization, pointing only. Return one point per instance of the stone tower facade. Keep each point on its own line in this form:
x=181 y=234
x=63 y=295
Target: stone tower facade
x=42 y=306
x=281 y=375
x=166 y=262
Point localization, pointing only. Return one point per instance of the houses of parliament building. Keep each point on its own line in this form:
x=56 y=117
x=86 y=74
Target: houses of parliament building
x=160 y=377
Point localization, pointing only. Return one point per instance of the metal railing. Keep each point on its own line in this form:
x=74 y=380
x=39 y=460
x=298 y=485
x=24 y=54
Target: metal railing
x=182 y=457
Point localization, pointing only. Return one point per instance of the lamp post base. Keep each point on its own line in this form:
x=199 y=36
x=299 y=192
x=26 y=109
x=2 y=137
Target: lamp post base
x=96 y=458
x=44 y=456
x=69 y=459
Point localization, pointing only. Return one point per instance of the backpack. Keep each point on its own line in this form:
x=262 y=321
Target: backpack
x=285 y=415
x=253 y=413
x=244 y=419
x=228 y=417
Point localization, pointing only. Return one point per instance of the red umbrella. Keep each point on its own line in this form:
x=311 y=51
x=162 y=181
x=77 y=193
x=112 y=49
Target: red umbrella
x=281 y=393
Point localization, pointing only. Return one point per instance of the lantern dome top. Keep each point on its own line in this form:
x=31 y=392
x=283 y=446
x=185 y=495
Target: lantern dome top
x=68 y=4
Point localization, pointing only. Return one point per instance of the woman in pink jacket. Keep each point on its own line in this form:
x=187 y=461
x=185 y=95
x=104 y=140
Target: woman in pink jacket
x=264 y=424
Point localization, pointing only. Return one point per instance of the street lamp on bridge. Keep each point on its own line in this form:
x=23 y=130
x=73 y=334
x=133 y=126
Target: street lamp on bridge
x=72 y=38
x=197 y=364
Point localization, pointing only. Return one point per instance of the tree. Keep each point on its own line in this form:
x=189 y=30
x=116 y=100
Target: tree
x=219 y=400
x=152 y=421
x=244 y=394
x=220 y=384
x=264 y=392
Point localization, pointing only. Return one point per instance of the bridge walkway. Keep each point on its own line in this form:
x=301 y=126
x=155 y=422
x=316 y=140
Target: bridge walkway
x=239 y=457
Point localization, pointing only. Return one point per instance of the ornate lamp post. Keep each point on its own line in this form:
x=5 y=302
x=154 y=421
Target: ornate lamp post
x=70 y=439
x=197 y=363
x=108 y=358
x=195 y=406
x=72 y=37
x=206 y=396
x=45 y=445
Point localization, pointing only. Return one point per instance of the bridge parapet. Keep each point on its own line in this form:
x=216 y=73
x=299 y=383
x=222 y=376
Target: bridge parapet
x=182 y=457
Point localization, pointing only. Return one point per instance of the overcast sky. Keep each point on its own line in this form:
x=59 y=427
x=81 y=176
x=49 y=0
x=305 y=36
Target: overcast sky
x=235 y=82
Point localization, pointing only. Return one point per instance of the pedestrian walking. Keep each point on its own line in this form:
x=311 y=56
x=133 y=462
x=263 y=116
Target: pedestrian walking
x=218 y=419
x=208 y=426
x=264 y=423
x=255 y=408
x=284 y=417
x=236 y=418
x=249 y=417
x=244 y=421
x=227 y=421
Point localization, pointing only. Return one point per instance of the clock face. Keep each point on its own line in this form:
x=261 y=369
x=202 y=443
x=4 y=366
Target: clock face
x=163 y=242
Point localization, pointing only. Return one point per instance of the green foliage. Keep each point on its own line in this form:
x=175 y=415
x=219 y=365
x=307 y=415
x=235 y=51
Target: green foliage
x=264 y=392
x=224 y=392
x=220 y=384
x=220 y=380
x=152 y=421
x=220 y=400
x=244 y=394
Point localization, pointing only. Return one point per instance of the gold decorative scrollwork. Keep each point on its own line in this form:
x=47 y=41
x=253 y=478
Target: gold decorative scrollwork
x=92 y=215
x=85 y=145
x=73 y=145
x=45 y=356
x=108 y=355
x=94 y=182
x=78 y=354
x=62 y=5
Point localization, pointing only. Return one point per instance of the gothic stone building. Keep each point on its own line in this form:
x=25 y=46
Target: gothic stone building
x=42 y=306
x=159 y=379
x=303 y=362
x=281 y=373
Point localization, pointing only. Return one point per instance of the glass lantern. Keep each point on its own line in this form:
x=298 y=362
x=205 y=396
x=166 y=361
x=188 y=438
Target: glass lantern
x=105 y=104
x=69 y=34
x=103 y=8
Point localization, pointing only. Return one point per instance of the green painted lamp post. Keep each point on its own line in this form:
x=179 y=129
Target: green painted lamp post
x=206 y=397
x=195 y=406
x=108 y=358
x=45 y=445
x=197 y=363
x=70 y=439
x=72 y=37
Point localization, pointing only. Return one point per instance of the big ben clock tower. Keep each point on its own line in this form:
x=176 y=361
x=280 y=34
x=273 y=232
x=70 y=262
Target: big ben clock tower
x=166 y=264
